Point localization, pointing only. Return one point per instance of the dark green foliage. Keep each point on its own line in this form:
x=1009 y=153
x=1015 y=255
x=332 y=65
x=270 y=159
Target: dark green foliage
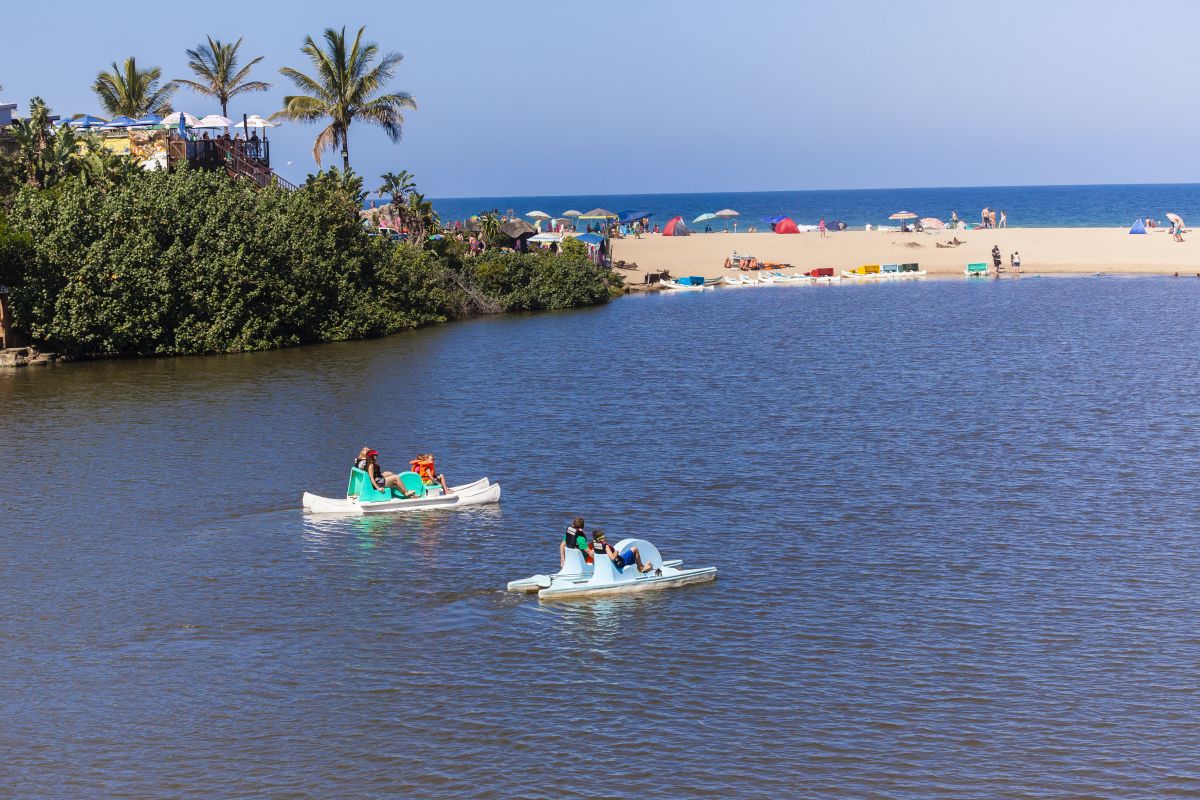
x=540 y=281
x=195 y=262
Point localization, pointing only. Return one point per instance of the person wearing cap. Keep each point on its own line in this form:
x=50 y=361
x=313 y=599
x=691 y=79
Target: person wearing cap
x=575 y=539
x=622 y=559
x=382 y=479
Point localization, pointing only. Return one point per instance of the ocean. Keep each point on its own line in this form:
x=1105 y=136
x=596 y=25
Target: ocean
x=1027 y=206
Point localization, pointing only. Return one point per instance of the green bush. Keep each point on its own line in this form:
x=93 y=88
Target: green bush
x=540 y=281
x=194 y=262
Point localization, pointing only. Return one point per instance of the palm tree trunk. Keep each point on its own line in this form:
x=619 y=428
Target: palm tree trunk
x=346 y=149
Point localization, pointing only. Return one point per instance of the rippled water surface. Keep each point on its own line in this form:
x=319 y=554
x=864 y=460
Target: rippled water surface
x=954 y=525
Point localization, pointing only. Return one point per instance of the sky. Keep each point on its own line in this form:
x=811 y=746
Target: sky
x=544 y=97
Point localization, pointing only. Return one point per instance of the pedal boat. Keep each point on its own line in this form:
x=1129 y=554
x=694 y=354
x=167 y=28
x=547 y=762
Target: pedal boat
x=578 y=579
x=363 y=498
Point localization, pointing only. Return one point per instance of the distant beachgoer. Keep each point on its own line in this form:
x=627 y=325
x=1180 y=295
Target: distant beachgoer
x=991 y=219
x=821 y=227
x=997 y=259
x=1179 y=233
x=983 y=218
x=1015 y=260
x=953 y=219
x=1003 y=219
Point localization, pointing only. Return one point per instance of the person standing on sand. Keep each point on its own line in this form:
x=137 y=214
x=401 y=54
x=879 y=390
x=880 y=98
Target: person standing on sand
x=821 y=226
x=1003 y=219
x=983 y=218
x=997 y=259
x=953 y=219
x=1016 y=263
x=992 y=219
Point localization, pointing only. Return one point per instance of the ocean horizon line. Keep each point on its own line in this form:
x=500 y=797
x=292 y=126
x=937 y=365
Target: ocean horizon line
x=1003 y=186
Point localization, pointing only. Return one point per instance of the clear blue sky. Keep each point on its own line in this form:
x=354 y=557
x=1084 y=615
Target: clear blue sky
x=551 y=97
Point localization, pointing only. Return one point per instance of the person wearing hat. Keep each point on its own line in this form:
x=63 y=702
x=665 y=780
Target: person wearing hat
x=622 y=559
x=380 y=478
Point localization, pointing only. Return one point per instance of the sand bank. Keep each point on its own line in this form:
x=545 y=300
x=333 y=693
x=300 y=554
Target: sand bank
x=1043 y=250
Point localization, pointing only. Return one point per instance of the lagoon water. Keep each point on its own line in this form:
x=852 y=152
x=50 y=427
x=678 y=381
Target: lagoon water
x=955 y=525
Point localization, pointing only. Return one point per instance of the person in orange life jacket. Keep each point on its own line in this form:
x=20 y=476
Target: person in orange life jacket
x=622 y=559
x=381 y=479
x=575 y=539
x=423 y=466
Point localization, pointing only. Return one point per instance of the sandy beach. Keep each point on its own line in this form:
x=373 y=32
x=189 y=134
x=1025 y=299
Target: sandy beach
x=1043 y=250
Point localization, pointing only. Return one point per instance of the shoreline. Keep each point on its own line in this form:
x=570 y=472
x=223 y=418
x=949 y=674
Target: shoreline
x=1043 y=250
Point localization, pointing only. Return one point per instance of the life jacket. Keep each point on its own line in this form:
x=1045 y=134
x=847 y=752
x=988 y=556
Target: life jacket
x=424 y=469
x=571 y=539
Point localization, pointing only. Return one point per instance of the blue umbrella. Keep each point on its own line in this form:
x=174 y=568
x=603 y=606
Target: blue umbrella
x=149 y=119
x=121 y=122
x=634 y=216
x=86 y=121
x=775 y=219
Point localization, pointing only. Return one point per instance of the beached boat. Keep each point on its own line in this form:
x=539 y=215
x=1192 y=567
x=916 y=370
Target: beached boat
x=578 y=579
x=823 y=275
x=730 y=280
x=692 y=283
x=868 y=272
x=363 y=498
x=978 y=270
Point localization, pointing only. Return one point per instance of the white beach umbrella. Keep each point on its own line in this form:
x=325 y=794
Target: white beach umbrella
x=255 y=121
x=572 y=213
x=726 y=213
x=1178 y=220
x=213 y=121
x=903 y=215
x=173 y=119
x=537 y=214
x=933 y=223
x=703 y=218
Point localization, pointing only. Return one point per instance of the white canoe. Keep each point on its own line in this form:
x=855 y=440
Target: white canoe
x=578 y=580
x=480 y=492
x=680 y=287
x=731 y=281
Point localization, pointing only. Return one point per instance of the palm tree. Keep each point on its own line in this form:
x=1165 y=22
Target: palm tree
x=397 y=186
x=216 y=64
x=345 y=89
x=133 y=92
x=420 y=216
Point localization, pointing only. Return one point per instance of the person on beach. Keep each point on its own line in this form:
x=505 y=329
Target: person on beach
x=575 y=539
x=1179 y=233
x=821 y=226
x=991 y=219
x=983 y=218
x=622 y=559
x=423 y=466
x=1003 y=219
x=953 y=219
x=1015 y=260
x=997 y=259
x=382 y=479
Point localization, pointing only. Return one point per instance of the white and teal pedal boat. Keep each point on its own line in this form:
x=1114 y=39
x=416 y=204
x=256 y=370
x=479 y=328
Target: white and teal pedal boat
x=578 y=579
x=363 y=498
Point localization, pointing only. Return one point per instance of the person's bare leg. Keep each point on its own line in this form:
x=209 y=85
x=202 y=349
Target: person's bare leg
x=442 y=480
x=394 y=480
x=637 y=558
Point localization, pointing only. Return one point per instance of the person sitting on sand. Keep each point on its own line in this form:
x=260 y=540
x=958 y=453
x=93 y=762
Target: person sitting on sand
x=423 y=466
x=382 y=479
x=575 y=539
x=622 y=559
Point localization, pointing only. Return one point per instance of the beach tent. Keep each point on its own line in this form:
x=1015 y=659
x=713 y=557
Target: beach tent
x=786 y=225
x=634 y=216
x=1138 y=226
x=675 y=228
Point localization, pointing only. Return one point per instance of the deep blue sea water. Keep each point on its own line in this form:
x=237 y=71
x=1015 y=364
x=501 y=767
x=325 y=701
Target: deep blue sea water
x=1027 y=206
x=955 y=525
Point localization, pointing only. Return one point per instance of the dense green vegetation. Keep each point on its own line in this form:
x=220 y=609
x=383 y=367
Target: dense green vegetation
x=151 y=263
